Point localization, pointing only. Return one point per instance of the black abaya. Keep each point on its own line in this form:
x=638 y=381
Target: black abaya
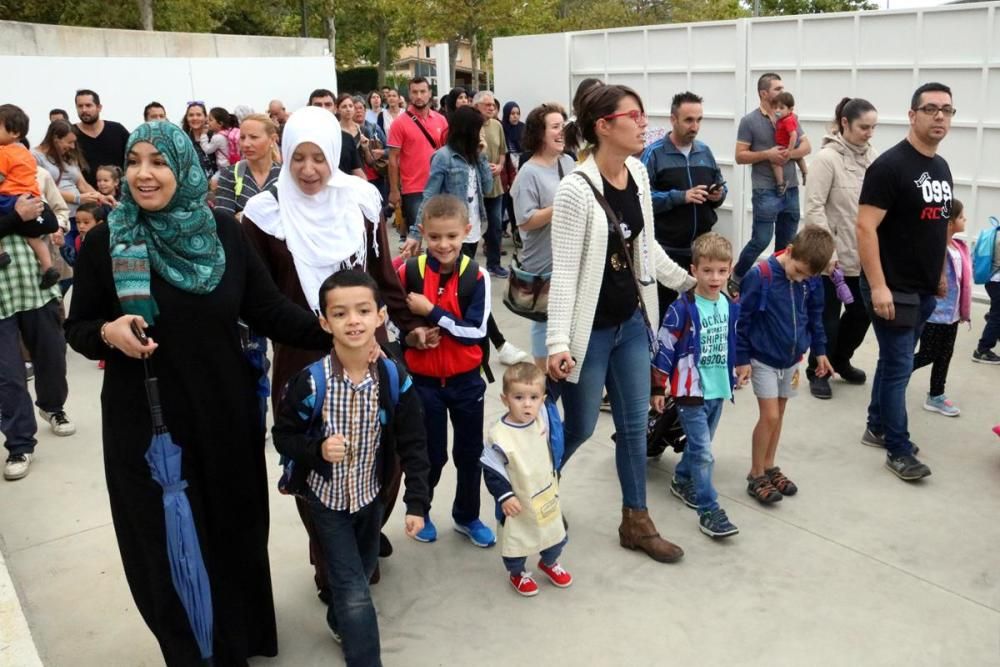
x=211 y=408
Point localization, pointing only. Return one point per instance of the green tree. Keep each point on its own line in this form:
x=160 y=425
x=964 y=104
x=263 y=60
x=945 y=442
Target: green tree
x=790 y=7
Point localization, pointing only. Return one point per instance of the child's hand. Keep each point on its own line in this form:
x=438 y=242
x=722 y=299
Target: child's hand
x=823 y=367
x=414 y=524
x=742 y=375
x=334 y=448
x=375 y=353
x=511 y=506
x=419 y=304
x=659 y=403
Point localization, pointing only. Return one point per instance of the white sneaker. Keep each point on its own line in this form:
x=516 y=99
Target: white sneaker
x=17 y=466
x=511 y=354
x=58 y=422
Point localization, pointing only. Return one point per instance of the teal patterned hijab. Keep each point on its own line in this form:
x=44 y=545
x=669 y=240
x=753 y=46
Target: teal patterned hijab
x=179 y=241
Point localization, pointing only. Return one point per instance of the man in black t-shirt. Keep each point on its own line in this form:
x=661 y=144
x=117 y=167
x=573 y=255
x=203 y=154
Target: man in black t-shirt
x=102 y=142
x=902 y=237
x=350 y=159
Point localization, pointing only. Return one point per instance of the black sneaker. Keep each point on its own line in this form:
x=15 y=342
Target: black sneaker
x=820 y=387
x=850 y=374
x=986 y=357
x=873 y=439
x=384 y=546
x=907 y=467
x=717 y=524
x=684 y=489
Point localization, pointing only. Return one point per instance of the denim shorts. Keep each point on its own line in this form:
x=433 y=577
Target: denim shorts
x=770 y=382
x=538 y=331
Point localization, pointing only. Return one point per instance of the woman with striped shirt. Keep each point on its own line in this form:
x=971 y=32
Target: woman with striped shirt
x=258 y=169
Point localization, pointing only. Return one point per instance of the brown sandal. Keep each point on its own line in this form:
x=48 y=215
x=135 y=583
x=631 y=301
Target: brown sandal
x=785 y=486
x=762 y=489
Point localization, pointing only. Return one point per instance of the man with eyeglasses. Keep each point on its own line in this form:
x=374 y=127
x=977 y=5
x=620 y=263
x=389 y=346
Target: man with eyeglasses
x=101 y=141
x=903 y=216
x=774 y=215
x=687 y=185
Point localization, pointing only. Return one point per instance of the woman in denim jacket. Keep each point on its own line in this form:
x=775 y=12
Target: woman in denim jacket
x=460 y=168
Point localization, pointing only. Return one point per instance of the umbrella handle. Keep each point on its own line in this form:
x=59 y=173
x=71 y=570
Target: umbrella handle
x=153 y=397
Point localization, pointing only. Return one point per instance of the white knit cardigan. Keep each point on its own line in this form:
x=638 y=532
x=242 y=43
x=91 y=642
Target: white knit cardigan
x=579 y=253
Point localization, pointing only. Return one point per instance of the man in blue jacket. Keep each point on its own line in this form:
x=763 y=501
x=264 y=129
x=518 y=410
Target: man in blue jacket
x=686 y=183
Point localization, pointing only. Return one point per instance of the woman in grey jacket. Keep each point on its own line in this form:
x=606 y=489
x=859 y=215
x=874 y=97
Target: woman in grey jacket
x=835 y=177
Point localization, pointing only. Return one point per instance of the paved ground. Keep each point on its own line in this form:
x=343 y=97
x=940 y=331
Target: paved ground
x=858 y=569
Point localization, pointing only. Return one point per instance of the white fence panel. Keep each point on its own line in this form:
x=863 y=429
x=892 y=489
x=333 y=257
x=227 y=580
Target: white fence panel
x=880 y=56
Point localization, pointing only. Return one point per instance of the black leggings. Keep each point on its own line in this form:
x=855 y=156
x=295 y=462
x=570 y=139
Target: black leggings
x=936 y=346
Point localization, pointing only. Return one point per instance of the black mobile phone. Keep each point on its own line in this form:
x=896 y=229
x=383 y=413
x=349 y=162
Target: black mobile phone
x=715 y=186
x=138 y=332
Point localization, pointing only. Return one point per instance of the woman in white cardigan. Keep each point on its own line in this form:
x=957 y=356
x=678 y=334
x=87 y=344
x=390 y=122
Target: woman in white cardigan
x=597 y=333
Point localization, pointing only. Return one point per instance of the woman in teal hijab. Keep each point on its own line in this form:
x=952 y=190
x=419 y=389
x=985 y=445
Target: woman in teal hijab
x=186 y=276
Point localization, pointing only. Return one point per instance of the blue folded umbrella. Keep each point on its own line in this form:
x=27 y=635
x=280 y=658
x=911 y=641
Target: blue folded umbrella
x=187 y=566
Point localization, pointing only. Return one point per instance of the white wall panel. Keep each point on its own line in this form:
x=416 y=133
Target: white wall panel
x=532 y=70
x=881 y=56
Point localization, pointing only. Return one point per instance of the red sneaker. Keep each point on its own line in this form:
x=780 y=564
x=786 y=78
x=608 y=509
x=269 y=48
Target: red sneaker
x=524 y=584
x=556 y=574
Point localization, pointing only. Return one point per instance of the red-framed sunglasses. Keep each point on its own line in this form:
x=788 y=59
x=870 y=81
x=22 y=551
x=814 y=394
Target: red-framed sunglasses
x=634 y=114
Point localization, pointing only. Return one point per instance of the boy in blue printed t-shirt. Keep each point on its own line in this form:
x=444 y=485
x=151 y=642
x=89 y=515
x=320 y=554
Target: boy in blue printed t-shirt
x=695 y=363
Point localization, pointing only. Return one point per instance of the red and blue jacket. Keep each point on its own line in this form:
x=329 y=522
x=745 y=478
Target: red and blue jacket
x=462 y=328
x=675 y=366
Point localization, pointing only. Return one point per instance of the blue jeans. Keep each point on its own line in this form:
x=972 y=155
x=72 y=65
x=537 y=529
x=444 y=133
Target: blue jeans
x=350 y=548
x=887 y=409
x=549 y=556
x=699 y=422
x=773 y=216
x=461 y=398
x=991 y=332
x=493 y=233
x=617 y=357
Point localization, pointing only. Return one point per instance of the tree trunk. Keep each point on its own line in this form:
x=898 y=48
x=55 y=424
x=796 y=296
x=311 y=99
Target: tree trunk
x=146 y=14
x=453 y=45
x=383 y=52
x=331 y=36
x=474 y=52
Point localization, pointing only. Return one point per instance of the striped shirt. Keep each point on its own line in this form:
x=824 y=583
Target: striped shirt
x=19 y=290
x=226 y=198
x=353 y=411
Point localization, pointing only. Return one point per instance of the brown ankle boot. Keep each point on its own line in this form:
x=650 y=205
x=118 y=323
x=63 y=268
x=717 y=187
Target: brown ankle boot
x=637 y=532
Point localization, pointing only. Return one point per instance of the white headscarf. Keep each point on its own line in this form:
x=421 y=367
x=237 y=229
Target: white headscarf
x=325 y=232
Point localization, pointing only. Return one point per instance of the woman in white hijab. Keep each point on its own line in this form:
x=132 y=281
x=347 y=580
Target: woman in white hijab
x=315 y=221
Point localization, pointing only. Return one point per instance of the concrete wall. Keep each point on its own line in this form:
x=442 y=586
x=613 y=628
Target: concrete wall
x=881 y=56
x=37 y=39
x=44 y=65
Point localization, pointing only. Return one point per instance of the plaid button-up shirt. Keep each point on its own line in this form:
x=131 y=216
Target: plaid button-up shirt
x=353 y=411
x=19 y=290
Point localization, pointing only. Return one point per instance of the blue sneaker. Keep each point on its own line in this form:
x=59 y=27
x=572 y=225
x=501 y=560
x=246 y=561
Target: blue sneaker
x=941 y=404
x=477 y=532
x=684 y=489
x=429 y=532
x=717 y=524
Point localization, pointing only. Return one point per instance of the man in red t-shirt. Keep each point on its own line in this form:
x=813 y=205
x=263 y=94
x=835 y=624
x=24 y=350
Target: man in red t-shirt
x=413 y=138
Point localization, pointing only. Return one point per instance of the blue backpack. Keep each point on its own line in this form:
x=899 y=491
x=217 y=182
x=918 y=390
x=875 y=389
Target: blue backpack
x=984 y=259
x=289 y=486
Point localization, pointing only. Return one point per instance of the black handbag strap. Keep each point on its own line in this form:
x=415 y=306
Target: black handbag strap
x=416 y=121
x=615 y=222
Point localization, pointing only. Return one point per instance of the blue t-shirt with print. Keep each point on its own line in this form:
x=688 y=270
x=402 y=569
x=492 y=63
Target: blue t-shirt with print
x=713 y=365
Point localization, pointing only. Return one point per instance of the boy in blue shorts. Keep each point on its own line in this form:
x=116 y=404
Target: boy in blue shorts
x=781 y=316
x=695 y=363
x=342 y=422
